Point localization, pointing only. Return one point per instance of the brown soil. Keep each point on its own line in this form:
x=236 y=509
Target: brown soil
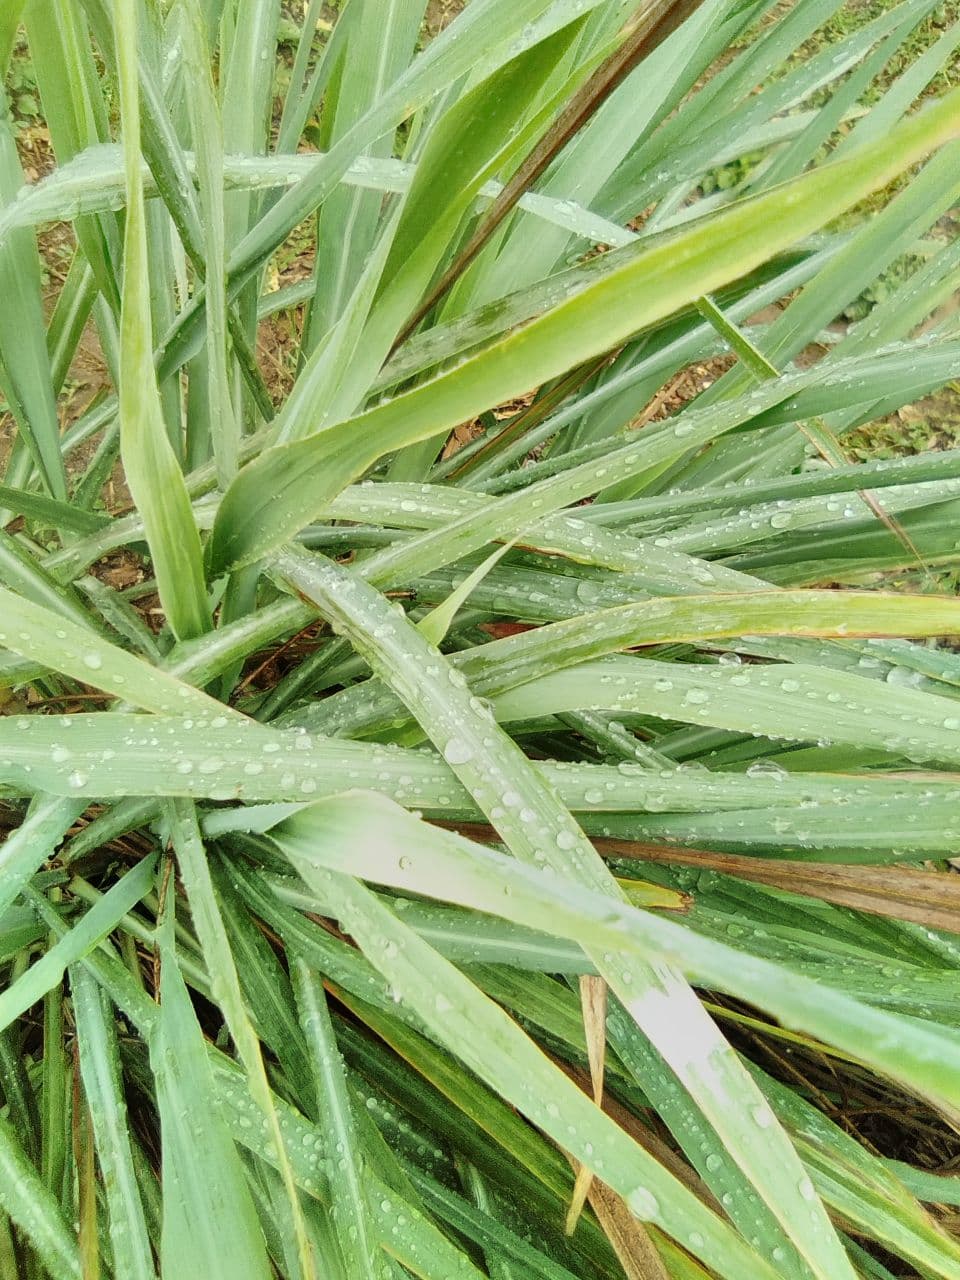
x=440 y=13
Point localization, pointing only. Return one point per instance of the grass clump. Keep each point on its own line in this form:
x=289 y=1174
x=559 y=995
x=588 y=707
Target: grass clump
x=469 y=811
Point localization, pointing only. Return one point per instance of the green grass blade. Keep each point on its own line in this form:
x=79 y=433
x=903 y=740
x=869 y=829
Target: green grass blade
x=480 y=1033
x=207 y=133
x=27 y=848
x=62 y=645
x=100 y=1071
x=35 y=1211
x=76 y=115
x=57 y=515
x=9 y=21
x=378 y=48
x=24 y=367
x=921 y=1057
x=536 y=828
x=86 y=934
x=301 y=477
x=512 y=660
x=149 y=461
x=439 y=620
x=209 y=1223
x=354 y=1231
x=794 y=702
x=192 y=859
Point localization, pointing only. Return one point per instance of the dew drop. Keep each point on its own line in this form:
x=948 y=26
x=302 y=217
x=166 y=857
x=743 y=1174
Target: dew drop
x=457 y=751
x=762 y=1116
x=642 y=1203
